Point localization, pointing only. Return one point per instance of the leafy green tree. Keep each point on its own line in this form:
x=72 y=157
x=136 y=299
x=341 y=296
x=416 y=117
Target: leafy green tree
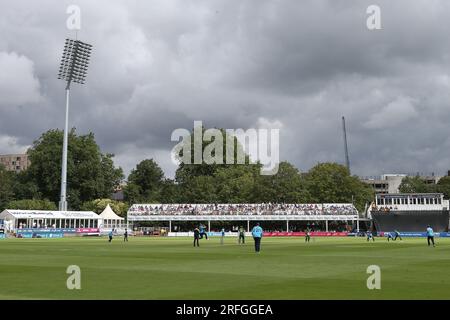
x=286 y=186
x=6 y=187
x=32 y=204
x=414 y=185
x=144 y=182
x=25 y=187
x=111 y=177
x=215 y=181
x=98 y=205
x=235 y=184
x=170 y=192
x=90 y=173
x=230 y=144
x=332 y=183
x=199 y=189
x=132 y=194
x=443 y=186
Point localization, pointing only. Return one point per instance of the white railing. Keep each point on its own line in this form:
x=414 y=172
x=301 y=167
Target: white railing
x=243 y=218
x=411 y=207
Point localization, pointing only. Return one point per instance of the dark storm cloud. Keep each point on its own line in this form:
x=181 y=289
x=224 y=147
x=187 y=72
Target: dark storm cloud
x=295 y=65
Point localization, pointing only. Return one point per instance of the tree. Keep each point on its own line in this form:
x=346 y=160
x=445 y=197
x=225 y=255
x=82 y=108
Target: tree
x=235 y=184
x=414 y=185
x=90 y=174
x=213 y=179
x=6 y=187
x=170 y=192
x=217 y=148
x=199 y=189
x=132 y=194
x=443 y=186
x=32 y=204
x=98 y=205
x=332 y=183
x=286 y=186
x=25 y=187
x=144 y=182
x=111 y=177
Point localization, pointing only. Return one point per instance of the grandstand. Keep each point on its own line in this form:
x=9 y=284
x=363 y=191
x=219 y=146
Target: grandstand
x=345 y=212
x=410 y=212
x=50 y=224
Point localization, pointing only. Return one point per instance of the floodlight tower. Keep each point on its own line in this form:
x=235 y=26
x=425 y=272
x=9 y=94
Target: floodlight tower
x=74 y=65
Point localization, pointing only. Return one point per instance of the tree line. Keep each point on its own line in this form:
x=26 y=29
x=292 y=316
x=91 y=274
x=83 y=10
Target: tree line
x=93 y=177
x=418 y=185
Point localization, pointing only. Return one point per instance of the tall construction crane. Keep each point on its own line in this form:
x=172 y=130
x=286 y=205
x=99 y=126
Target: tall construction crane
x=347 y=161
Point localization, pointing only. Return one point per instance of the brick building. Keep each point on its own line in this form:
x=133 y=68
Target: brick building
x=15 y=162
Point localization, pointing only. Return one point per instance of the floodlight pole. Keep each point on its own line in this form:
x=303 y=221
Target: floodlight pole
x=73 y=68
x=63 y=199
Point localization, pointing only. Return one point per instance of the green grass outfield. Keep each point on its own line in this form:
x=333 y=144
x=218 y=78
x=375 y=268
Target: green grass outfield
x=170 y=268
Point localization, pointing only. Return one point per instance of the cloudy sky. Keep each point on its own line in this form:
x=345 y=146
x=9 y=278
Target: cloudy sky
x=293 y=65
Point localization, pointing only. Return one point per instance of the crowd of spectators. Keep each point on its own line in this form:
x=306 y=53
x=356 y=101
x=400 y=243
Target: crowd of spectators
x=386 y=209
x=243 y=209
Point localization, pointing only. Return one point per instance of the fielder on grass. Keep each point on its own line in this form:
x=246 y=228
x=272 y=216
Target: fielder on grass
x=430 y=235
x=257 y=234
x=241 y=235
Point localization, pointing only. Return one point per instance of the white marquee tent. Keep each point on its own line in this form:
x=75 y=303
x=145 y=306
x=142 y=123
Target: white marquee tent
x=110 y=219
x=15 y=219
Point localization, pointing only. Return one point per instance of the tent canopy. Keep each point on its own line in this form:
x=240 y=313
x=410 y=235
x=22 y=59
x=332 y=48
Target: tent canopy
x=43 y=214
x=109 y=214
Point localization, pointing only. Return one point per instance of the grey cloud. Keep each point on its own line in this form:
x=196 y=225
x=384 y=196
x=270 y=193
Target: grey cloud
x=160 y=65
x=18 y=84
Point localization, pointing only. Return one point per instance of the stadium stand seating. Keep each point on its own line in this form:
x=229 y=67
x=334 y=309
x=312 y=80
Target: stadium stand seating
x=243 y=209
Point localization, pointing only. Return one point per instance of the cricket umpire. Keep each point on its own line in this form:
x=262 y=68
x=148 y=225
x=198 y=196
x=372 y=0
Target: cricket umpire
x=196 y=237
